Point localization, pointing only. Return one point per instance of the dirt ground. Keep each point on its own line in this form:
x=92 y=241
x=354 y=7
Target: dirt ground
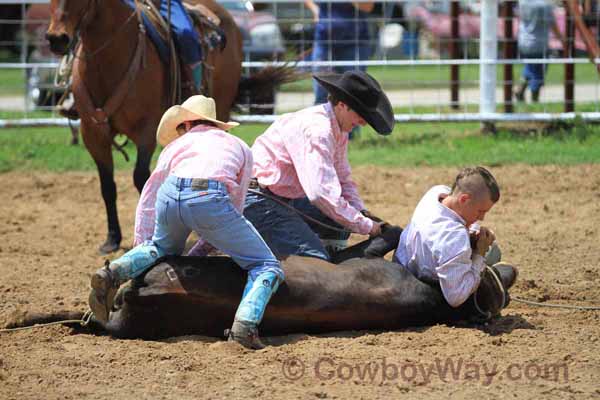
x=547 y=223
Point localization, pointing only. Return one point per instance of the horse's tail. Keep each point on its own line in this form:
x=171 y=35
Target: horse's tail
x=74 y=319
x=259 y=88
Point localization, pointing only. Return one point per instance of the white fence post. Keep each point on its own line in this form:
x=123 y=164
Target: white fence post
x=488 y=53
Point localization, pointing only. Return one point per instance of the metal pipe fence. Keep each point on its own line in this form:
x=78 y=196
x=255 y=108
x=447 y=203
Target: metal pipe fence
x=435 y=65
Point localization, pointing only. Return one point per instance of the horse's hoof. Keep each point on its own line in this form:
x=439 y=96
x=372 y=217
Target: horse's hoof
x=110 y=246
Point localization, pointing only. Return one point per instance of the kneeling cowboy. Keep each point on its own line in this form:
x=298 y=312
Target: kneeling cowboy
x=302 y=159
x=199 y=184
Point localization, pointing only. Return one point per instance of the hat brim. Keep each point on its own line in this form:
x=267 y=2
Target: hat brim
x=380 y=117
x=167 y=127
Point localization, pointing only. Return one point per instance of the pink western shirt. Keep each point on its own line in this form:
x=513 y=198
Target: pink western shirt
x=203 y=152
x=306 y=154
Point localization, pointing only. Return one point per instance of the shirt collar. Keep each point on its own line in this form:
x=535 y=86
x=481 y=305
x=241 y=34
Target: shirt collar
x=202 y=128
x=451 y=213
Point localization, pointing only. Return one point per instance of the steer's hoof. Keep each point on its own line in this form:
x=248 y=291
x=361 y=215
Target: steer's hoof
x=508 y=274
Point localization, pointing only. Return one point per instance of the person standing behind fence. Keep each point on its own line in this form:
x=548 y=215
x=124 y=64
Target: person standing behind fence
x=536 y=18
x=341 y=34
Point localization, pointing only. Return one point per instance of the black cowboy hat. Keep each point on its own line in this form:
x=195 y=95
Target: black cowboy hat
x=361 y=92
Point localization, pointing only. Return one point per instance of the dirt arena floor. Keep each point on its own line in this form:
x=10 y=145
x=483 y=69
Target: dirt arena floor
x=547 y=222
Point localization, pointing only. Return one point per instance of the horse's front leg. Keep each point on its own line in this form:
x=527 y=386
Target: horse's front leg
x=99 y=146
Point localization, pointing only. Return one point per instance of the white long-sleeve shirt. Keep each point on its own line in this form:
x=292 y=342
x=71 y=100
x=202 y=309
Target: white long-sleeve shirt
x=435 y=245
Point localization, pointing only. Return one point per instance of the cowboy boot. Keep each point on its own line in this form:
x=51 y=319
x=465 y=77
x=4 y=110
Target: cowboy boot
x=191 y=79
x=105 y=284
x=106 y=281
x=257 y=294
x=520 y=93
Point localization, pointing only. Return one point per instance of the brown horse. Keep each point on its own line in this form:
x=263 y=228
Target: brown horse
x=121 y=85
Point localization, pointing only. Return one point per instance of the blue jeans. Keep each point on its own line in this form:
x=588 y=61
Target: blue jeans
x=534 y=74
x=326 y=51
x=181 y=209
x=305 y=207
x=285 y=231
x=410 y=43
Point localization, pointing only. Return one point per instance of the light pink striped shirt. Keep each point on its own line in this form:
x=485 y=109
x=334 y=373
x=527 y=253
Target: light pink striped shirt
x=203 y=152
x=306 y=154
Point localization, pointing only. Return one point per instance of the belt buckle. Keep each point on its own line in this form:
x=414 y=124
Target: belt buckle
x=254 y=184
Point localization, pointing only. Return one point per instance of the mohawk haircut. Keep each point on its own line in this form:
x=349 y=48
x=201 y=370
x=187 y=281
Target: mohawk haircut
x=470 y=180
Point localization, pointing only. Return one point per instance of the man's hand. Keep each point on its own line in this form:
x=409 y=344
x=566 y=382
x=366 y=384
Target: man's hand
x=485 y=238
x=376 y=229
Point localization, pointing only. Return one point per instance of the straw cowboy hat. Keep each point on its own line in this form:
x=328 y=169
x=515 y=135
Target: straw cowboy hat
x=194 y=108
x=361 y=92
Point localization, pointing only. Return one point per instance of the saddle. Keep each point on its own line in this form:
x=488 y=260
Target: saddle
x=207 y=25
x=212 y=37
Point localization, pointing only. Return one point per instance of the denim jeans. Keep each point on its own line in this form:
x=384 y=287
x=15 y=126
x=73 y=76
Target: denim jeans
x=339 y=52
x=285 y=231
x=305 y=207
x=181 y=209
x=534 y=74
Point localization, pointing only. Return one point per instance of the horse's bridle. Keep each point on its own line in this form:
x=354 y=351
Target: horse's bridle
x=86 y=18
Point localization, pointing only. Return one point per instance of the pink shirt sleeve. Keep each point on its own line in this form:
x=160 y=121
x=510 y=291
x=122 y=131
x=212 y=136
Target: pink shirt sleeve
x=145 y=211
x=243 y=179
x=315 y=166
x=349 y=188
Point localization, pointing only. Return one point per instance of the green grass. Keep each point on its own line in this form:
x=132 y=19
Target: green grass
x=462 y=144
x=448 y=144
x=12 y=82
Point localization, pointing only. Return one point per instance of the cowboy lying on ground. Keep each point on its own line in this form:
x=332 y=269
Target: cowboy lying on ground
x=436 y=245
x=199 y=185
x=302 y=160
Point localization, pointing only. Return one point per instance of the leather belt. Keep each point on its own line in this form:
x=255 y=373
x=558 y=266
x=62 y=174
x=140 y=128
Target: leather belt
x=199 y=184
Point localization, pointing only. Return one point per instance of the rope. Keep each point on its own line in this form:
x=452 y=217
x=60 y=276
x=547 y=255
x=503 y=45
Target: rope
x=529 y=302
x=83 y=322
x=567 y=306
x=311 y=219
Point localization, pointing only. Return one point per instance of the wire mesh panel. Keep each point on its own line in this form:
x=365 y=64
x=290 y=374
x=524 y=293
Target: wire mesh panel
x=424 y=53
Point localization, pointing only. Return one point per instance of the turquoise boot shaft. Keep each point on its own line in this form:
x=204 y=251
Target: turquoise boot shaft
x=197 y=75
x=136 y=261
x=257 y=294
